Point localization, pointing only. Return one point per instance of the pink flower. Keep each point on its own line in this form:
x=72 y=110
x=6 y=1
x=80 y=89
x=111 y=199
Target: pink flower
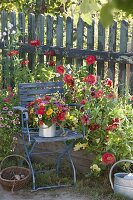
x=131 y=98
x=1 y=118
x=9 y=88
x=90 y=60
x=2 y=125
x=11 y=94
x=5 y=108
x=85 y=119
x=90 y=79
x=108 y=158
x=6 y=100
x=60 y=69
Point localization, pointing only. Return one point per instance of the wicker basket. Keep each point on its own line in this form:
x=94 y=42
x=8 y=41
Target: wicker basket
x=7 y=174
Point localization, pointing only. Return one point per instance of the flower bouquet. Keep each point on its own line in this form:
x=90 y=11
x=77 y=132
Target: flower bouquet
x=48 y=112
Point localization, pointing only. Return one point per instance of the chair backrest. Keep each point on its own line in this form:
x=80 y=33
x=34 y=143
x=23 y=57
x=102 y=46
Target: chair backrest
x=30 y=91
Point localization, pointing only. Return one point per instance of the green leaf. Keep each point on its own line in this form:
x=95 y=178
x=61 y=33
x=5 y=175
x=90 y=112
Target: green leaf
x=88 y=6
x=106 y=16
x=86 y=17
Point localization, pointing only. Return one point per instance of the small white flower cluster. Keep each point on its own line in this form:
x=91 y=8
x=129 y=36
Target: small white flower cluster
x=8 y=28
x=95 y=168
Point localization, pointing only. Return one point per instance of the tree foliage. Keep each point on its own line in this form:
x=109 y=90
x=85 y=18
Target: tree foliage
x=107 y=10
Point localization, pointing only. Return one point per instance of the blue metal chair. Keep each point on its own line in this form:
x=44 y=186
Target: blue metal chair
x=28 y=92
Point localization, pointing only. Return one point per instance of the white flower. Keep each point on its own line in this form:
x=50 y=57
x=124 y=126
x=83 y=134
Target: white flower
x=57 y=74
x=4 y=33
x=40 y=116
x=5 y=29
x=95 y=168
x=10 y=26
x=13 y=32
x=68 y=66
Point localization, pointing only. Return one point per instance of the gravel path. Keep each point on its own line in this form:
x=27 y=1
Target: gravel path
x=58 y=194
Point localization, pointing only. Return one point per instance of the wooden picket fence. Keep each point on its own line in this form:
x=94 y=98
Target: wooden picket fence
x=109 y=45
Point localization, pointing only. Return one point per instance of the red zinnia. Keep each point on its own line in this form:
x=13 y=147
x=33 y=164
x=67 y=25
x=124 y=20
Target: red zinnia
x=108 y=82
x=111 y=127
x=85 y=119
x=93 y=127
x=108 y=158
x=12 y=53
x=90 y=60
x=60 y=69
x=69 y=80
x=98 y=94
x=61 y=116
x=116 y=120
x=40 y=111
x=24 y=62
x=111 y=95
x=83 y=102
x=51 y=63
x=91 y=79
x=47 y=98
x=35 y=43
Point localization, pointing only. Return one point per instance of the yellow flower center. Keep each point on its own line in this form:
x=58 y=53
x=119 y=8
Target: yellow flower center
x=49 y=111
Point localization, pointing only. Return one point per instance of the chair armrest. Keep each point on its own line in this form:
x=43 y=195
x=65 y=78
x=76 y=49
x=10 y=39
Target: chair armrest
x=20 y=108
x=75 y=104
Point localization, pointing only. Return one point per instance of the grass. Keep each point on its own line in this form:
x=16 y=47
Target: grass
x=96 y=188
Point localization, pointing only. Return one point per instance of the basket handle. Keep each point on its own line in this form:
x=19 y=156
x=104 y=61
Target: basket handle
x=110 y=173
x=14 y=155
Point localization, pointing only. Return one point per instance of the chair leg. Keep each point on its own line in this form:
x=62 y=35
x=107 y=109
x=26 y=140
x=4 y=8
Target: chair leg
x=32 y=170
x=66 y=151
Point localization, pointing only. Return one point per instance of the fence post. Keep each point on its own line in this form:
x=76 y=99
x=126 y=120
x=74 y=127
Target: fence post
x=123 y=49
x=101 y=47
x=80 y=34
x=59 y=37
x=31 y=36
x=4 y=28
x=40 y=33
x=112 y=48
x=69 y=36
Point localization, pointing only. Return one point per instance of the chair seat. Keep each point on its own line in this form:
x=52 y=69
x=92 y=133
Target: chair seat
x=60 y=136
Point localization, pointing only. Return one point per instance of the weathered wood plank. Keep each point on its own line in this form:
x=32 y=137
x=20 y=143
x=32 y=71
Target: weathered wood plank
x=31 y=36
x=90 y=41
x=5 y=71
x=59 y=37
x=69 y=37
x=40 y=34
x=112 y=47
x=13 y=22
x=80 y=34
x=123 y=49
x=21 y=27
x=90 y=35
x=101 y=47
x=49 y=34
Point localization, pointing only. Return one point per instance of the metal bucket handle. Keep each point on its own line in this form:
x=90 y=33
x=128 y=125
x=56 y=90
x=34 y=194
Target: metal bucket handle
x=110 y=173
x=14 y=155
